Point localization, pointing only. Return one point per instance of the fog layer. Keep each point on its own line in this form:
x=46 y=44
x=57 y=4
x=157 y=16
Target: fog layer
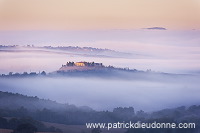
x=105 y=94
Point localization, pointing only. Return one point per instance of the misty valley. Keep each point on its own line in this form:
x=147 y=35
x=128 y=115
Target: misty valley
x=62 y=96
x=93 y=84
x=72 y=96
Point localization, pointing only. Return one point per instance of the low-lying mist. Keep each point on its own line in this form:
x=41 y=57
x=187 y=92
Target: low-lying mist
x=106 y=94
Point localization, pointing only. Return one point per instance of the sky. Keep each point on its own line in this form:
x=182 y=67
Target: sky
x=98 y=14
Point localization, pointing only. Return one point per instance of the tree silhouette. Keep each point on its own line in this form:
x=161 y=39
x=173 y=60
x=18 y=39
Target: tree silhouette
x=25 y=128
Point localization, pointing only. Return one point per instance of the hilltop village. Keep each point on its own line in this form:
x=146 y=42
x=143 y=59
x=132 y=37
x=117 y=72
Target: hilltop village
x=76 y=68
x=80 y=66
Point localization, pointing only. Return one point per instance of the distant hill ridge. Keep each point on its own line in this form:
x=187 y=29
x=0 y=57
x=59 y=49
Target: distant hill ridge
x=75 y=49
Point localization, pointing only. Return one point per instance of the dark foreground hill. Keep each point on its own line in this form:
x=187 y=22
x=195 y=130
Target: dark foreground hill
x=20 y=106
x=15 y=101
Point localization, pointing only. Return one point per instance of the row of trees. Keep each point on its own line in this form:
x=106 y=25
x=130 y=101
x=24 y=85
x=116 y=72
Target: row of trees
x=24 y=74
x=25 y=125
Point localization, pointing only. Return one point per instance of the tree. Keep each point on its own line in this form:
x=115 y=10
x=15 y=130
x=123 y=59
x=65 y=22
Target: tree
x=25 y=128
x=10 y=73
x=3 y=122
x=43 y=73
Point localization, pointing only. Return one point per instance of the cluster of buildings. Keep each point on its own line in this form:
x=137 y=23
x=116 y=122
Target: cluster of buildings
x=82 y=64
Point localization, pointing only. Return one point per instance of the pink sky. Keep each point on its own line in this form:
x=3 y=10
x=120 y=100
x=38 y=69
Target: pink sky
x=98 y=14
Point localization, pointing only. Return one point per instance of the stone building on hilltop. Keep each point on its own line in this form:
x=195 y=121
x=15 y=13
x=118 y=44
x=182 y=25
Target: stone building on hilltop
x=81 y=66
